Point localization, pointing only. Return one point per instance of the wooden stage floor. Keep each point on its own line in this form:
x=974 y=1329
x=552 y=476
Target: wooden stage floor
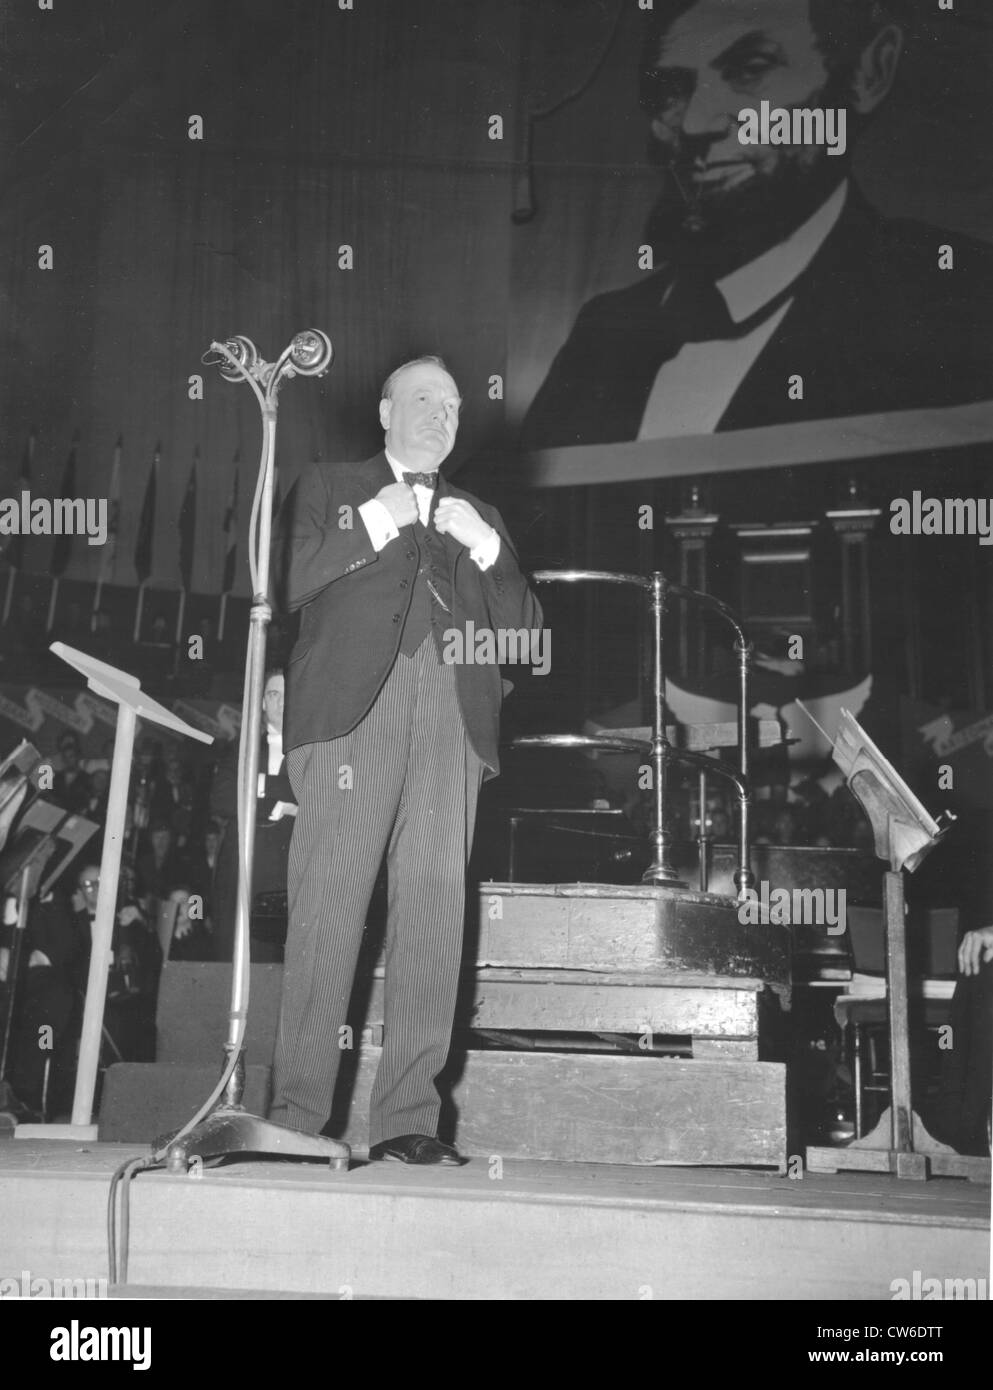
x=531 y=1230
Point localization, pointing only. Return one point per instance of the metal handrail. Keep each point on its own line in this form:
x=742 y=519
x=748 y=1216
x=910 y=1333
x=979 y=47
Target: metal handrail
x=604 y=742
x=658 y=589
x=640 y=581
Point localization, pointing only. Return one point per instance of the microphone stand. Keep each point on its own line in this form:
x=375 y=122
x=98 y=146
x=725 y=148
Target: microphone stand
x=222 y=1127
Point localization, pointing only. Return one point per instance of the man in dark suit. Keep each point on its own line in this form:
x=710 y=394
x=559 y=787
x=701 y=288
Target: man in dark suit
x=772 y=265
x=275 y=806
x=968 y=1075
x=387 y=745
x=71 y=785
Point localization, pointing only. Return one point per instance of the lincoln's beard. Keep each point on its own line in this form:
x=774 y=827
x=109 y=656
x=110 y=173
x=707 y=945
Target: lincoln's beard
x=725 y=229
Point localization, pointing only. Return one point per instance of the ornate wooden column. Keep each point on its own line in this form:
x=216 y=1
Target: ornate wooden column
x=692 y=530
x=853 y=527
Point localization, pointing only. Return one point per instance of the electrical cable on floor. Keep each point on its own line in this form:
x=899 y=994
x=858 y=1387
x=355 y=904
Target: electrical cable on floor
x=124 y=1174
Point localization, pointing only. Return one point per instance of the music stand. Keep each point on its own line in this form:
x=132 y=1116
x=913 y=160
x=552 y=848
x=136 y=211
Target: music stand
x=41 y=821
x=132 y=704
x=905 y=833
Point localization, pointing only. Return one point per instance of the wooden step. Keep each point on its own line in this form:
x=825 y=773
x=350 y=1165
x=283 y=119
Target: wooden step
x=587 y=1108
x=588 y=926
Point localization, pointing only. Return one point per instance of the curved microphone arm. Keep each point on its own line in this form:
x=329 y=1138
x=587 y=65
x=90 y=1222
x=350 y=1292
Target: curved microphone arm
x=309 y=354
x=235 y=359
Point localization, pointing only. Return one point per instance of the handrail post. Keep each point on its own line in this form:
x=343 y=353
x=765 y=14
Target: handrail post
x=744 y=878
x=660 y=870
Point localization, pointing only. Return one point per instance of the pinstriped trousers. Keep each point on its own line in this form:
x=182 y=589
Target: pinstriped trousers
x=405 y=782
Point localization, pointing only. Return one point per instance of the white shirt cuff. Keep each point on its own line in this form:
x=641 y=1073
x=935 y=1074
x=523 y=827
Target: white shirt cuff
x=378 y=523
x=486 y=552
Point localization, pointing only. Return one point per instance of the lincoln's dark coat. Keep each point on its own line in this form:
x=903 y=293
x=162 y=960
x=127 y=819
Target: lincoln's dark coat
x=875 y=325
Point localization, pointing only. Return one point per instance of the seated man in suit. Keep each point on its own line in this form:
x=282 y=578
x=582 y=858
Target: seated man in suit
x=387 y=743
x=57 y=949
x=272 y=836
x=202 y=866
x=772 y=265
x=157 y=867
x=71 y=785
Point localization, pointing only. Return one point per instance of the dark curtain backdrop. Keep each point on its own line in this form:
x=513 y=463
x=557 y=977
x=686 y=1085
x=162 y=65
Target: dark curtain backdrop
x=324 y=127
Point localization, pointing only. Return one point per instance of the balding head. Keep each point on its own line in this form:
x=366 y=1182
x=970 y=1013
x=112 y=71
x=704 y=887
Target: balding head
x=420 y=414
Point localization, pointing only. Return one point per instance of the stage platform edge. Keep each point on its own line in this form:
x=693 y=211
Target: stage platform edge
x=493 y=1230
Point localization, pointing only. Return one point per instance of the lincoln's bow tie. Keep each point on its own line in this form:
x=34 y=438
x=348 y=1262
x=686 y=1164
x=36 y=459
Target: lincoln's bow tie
x=428 y=480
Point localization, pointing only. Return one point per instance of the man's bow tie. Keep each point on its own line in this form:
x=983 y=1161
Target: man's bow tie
x=428 y=480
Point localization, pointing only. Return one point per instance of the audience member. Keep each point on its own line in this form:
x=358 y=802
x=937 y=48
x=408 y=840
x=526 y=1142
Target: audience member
x=71 y=786
x=203 y=860
x=174 y=800
x=158 y=867
x=53 y=990
x=96 y=803
x=183 y=929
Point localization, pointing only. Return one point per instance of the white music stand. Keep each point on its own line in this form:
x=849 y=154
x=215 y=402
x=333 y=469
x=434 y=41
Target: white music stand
x=132 y=704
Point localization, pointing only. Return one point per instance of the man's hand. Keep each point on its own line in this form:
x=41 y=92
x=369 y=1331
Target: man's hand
x=976 y=949
x=460 y=519
x=400 y=502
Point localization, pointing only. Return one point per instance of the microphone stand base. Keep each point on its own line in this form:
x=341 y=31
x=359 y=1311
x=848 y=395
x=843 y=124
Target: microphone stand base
x=230 y=1130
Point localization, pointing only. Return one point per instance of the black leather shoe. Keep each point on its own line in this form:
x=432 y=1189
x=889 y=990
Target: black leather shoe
x=416 y=1148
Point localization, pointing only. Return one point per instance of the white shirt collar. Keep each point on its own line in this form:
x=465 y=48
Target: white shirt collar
x=400 y=468
x=750 y=286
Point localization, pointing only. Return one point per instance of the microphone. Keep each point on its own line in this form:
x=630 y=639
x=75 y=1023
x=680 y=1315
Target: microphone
x=238 y=359
x=242 y=349
x=311 y=352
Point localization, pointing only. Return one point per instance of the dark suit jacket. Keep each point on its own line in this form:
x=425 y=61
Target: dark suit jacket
x=74 y=795
x=875 y=325
x=354 y=602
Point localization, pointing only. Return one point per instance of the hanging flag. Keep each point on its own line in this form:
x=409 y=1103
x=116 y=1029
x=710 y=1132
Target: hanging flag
x=109 y=555
x=14 y=553
x=231 y=533
x=62 y=547
x=188 y=524
x=144 y=545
